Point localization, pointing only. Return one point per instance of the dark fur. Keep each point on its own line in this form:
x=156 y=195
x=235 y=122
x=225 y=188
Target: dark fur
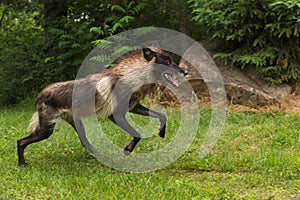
x=104 y=93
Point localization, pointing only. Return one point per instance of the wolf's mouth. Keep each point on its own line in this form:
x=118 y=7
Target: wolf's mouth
x=171 y=79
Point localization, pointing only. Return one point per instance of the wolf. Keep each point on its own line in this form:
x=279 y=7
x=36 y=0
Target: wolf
x=112 y=93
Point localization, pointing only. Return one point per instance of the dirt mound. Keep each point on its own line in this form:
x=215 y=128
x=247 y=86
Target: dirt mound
x=290 y=104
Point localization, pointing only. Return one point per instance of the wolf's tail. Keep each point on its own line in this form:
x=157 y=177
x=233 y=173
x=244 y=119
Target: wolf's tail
x=34 y=122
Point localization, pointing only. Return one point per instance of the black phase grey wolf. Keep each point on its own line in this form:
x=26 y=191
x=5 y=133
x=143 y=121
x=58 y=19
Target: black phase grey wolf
x=115 y=91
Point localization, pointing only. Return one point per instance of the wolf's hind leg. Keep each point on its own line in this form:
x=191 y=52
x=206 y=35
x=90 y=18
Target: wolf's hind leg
x=44 y=122
x=42 y=132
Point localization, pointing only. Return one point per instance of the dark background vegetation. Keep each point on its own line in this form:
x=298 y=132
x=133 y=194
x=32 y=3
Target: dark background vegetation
x=42 y=41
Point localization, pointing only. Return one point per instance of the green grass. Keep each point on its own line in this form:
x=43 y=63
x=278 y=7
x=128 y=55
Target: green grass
x=256 y=157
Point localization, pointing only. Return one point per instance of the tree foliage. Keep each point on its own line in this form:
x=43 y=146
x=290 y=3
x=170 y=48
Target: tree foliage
x=262 y=33
x=122 y=18
x=171 y=14
x=84 y=25
x=43 y=41
x=21 y=45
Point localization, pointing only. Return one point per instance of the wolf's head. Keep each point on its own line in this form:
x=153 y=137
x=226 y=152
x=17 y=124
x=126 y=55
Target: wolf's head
x=164 y=66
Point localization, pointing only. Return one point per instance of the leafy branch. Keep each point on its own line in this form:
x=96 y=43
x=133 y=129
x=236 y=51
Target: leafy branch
x=265 y=34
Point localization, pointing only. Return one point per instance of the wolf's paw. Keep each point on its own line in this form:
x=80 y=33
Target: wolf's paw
x=162 y=132
x=126 y=152
x=23 y=164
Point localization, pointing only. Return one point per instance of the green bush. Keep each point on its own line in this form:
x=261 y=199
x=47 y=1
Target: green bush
x=83 y=29
x=21 y=63
x=262 y=33
x=32 y=56
x=171 y=14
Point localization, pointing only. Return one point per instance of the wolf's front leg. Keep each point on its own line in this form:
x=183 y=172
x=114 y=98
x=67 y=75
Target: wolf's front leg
x=79 y=128
x=122 y=122
x=141 y=110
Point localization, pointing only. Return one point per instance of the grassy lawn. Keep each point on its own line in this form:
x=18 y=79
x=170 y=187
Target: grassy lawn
x=256 y=157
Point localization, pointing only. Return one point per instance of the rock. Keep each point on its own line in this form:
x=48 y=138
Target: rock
x=242 y=86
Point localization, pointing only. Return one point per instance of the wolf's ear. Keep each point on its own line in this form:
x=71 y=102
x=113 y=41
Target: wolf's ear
x=148 y=53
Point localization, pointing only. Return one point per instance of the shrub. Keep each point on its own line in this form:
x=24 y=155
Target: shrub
x=32 y=56
x=262 y=33
x=21 y=44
